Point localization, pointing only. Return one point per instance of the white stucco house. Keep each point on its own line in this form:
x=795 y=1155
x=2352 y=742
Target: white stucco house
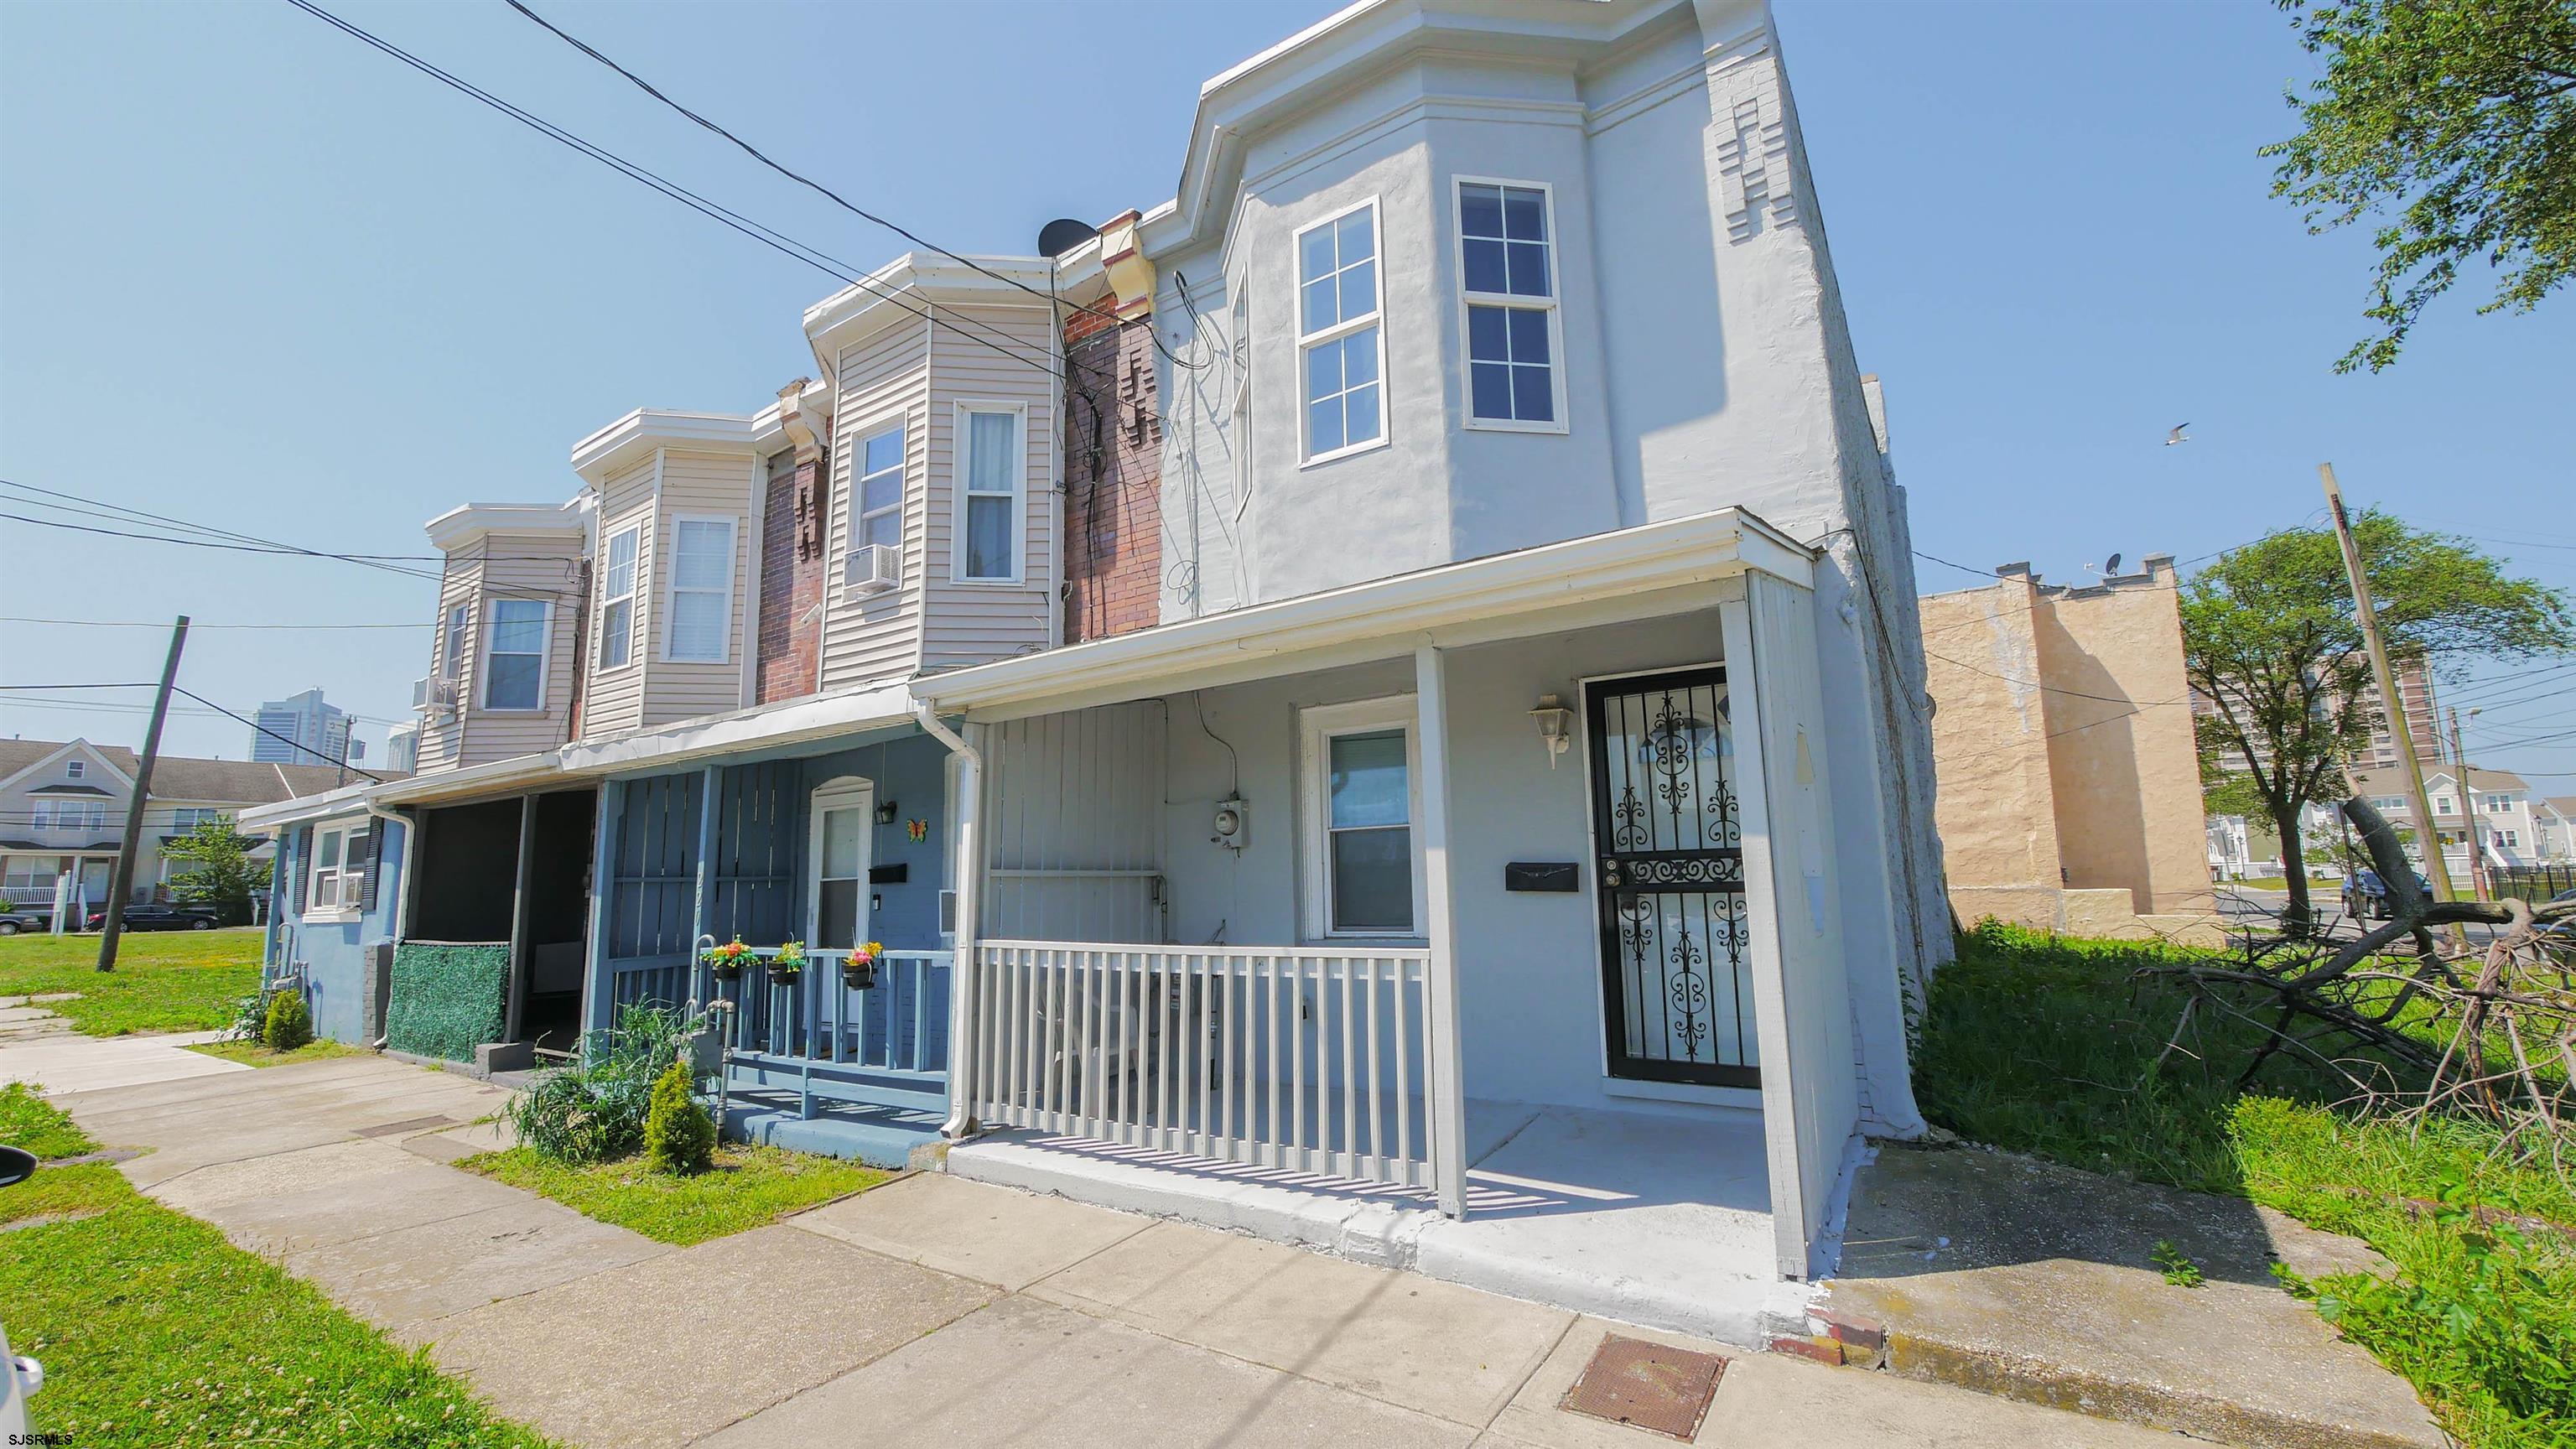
x=1376 y=702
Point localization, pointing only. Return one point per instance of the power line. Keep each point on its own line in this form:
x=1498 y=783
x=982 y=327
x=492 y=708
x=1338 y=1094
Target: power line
x=767 y=236
x=193 y=626
x=274 y=735
x=826 y=192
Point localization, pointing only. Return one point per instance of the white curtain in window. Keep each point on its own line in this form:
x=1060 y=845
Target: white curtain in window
x=701 y=589
x=992 y=474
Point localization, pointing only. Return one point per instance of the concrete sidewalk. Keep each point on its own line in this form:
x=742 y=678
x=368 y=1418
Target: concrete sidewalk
x=39 y=1047
x=930 y=1311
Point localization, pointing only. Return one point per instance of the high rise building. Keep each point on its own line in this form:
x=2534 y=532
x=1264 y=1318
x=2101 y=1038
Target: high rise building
x=304 y=729
x=402 y=748
x=2415 y=697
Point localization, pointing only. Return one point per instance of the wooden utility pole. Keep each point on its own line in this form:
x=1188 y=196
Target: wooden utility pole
x=121 y=880
x=2469 y=811
x=2428 y=832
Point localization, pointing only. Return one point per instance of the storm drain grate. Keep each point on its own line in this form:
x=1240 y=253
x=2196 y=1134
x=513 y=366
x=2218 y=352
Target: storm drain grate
x=1652 y=1386
x=411 y=1124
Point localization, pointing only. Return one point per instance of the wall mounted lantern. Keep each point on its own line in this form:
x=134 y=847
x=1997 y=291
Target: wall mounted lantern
x=1554 y=724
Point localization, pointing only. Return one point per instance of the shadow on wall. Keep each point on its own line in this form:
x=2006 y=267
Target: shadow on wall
x=2093 y=771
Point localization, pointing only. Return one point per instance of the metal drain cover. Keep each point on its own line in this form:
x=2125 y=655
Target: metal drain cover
x=1652 y=1386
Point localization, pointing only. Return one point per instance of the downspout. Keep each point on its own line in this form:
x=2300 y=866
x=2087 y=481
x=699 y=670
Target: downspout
x=402 y=898
x=962 y=1005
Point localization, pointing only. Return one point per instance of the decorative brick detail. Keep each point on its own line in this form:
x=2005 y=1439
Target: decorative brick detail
x=792 y=571
x=1863 y=1339
x=1822 y=1350
x=1113 y=553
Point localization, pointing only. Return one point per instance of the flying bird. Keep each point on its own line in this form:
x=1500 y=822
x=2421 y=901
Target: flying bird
x=2177 y=435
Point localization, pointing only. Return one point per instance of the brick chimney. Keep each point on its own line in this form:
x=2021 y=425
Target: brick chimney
x=792 y=566
x=1113 y=562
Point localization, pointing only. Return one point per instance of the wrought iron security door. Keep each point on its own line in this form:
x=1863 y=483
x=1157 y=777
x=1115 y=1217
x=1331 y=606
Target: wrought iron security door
x=1675 y=978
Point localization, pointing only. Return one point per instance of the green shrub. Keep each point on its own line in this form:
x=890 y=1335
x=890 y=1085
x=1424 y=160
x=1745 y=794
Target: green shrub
x=290 y=1022
x=679 y=1136
x=595 y=1112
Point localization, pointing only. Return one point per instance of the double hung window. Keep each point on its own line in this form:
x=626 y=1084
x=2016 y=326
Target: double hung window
x=701 y=591
x=1507 y=278
x=617 y=592
x=1341 y=341
x=514 y=666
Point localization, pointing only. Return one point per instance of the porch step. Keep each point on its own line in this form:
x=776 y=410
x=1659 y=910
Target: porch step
x=860 y=1088
x=878 y=1135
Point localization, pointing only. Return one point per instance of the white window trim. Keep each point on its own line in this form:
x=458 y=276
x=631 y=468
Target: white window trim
x=633 y=598
x=1308 y=341
x=1316 y=725
x=960 y=440
x=451 y=645
x=671 y=584
x=846 y=792
x=339 y=912
x=900 y=423
x=545 y=652
x=74 y=769
x=1552 y=305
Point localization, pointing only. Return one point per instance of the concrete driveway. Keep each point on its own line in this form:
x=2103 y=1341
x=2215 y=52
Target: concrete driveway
x=930 y=1311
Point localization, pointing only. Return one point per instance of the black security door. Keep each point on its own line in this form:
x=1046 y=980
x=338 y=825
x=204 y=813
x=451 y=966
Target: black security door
x=1675 y=982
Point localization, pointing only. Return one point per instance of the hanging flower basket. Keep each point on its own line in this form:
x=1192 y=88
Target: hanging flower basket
x=859 y=968
x=727 y=960
x=788 y=965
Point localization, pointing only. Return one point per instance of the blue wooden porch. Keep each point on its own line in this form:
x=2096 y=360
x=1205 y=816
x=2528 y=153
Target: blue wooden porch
x=827 y=849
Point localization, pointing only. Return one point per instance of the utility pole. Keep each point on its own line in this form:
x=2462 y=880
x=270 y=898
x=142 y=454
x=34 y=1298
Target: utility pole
x=122 y=880
x=2428 y=833
x=2469 y=810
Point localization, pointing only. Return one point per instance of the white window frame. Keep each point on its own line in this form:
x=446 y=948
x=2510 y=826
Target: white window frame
x=451 y=645
x=491 y=631
x=1309 y=341
x=1552 y=304
x=1317 y=726
x=845 y=792
x=900 y=424
x=339 y=907
x=74 y=769
x=634 y=594
x=669 y=548
x=961 y=442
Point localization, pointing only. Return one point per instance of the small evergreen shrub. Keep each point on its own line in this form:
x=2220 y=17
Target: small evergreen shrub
x=290 y=1022
x=679 y=1136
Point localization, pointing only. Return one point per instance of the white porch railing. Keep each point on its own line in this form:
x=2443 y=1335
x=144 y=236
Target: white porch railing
x=1304 y=1060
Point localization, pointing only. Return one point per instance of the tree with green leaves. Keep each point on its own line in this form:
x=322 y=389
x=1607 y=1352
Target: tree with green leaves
x=2271 y=642
x=222 y=875
x=2459 y=114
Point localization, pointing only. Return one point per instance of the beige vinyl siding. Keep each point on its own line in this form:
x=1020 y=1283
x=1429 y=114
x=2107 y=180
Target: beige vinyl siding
x=460 y=582
x=972 y=623
x=698 y=485
x=545 y=567
x=881 y=380
x=616 y=700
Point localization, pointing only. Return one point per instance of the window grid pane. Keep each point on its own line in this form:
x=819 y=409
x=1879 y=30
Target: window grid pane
x=988 y=537
x=1509 y=373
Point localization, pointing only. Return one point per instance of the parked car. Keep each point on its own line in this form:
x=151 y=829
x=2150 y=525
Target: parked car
x=160 y=918
x=2365 y=896
x=13 y=920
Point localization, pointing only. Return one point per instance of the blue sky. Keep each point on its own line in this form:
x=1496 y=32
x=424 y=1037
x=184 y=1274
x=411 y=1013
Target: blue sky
x=255 y=275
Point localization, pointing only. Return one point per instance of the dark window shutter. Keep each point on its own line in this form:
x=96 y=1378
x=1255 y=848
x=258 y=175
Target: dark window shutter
x=375 y=864
x=299 y=886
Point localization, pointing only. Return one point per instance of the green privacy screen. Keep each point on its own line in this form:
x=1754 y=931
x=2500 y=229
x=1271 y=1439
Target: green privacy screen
x=446 y=999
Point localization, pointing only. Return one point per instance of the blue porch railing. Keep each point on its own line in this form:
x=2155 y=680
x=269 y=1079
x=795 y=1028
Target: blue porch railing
x=812 y=1034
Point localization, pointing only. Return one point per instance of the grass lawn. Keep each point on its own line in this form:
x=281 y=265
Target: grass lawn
x=30 y=1122
x=258 y=1055
x=163 y=981
x=2047 y=1046
x=749 y=1187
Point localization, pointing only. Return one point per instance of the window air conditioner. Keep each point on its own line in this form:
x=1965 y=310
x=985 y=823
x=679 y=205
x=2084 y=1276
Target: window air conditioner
x=872 y=568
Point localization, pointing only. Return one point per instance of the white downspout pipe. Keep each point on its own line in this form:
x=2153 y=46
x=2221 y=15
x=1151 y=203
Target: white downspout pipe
x=962 y=1005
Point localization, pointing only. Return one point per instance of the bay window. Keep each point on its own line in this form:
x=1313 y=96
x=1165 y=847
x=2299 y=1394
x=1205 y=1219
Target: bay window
x=514 y=664
x=1507 y=286
x=701 y=601
x=617 y=598
x=992 y=473
x=1341 y=344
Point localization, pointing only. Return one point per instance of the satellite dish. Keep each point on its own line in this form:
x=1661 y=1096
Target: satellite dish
x=1063 y=235
x=2111 y=565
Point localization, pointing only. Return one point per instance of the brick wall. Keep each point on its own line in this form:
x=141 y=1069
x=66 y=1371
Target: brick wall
x=792 y=570
x=1113 y=479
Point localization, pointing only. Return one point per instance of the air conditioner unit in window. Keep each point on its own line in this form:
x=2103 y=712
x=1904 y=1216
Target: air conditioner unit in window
x=872 y=568
x=434 y=695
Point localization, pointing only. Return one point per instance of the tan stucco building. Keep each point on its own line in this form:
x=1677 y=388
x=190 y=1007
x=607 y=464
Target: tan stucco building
x=2069 y=786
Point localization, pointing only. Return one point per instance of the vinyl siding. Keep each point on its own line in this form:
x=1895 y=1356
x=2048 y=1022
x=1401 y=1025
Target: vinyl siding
x=524 y=566
x=881 y=379
x=615 y=703
x=442 y=737
x=699 y=485
x=972 y=623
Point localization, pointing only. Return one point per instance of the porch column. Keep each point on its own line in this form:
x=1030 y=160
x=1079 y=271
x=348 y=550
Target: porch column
x=597 y=999
x=703 y=897
x=1446 y=1108
x=964 y=1001
x=515 y=998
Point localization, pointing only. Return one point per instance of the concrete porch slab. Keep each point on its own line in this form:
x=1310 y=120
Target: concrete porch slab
x=990 y=1234
x=1654 y=1218
x=2021 y=1278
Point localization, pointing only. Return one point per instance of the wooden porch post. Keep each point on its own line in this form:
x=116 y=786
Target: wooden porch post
x=597 y=998
x=963 y=1002
x=703 y=898
x=515 y=1001
x=1446 y=1108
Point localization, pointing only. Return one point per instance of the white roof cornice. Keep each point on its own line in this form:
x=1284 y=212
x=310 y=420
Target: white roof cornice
x=898 y=291
x=641 y=431
x=462 y=525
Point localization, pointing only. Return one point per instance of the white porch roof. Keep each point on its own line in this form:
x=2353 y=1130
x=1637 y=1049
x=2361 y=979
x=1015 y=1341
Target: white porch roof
x=1657 y=568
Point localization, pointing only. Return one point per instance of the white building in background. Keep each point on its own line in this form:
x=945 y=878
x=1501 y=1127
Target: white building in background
x=402 y=748
x=318 y=729
x=2499 y=816
x=2555 y=821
